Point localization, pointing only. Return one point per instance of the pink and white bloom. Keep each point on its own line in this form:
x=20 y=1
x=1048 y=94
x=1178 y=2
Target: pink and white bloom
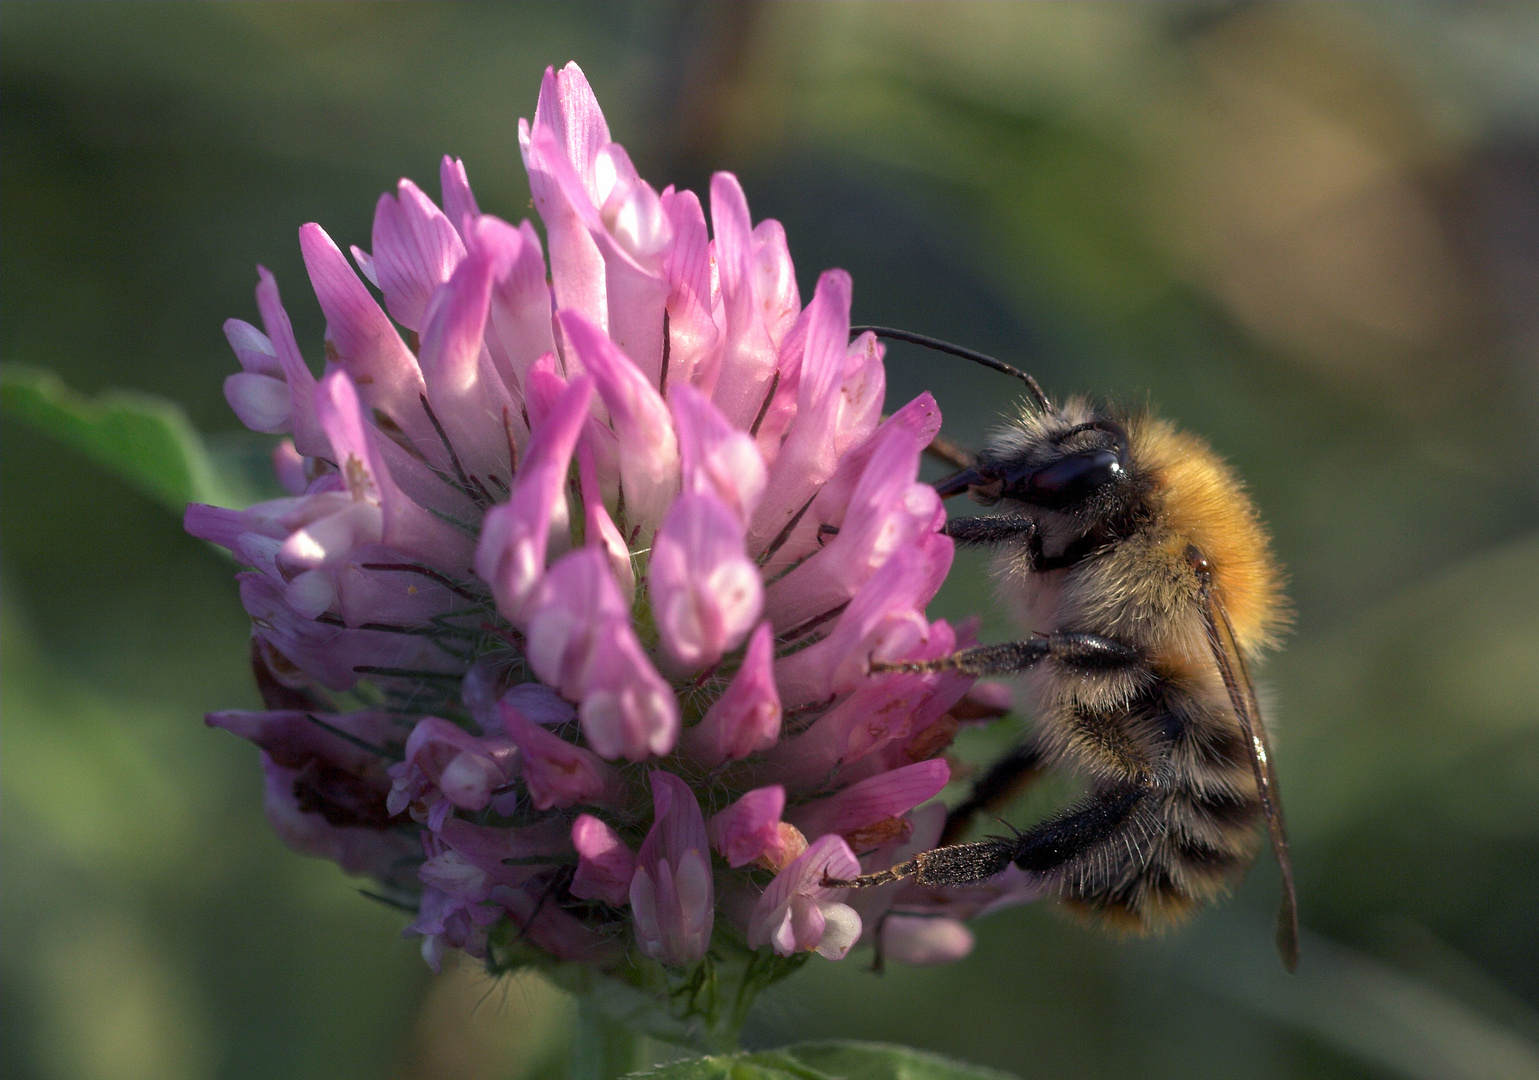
x=605 y=866
x=607 y=533
x=673 y=899
x=750 y=830
x=798 y=914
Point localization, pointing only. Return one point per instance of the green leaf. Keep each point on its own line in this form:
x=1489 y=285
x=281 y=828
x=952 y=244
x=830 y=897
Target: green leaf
x=146 y=440
x=834 y=1060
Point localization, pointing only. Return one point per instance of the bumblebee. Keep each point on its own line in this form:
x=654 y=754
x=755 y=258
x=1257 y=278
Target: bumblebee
x=1132 y=552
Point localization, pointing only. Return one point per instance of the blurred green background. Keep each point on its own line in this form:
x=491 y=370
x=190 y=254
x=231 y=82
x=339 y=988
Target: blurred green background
x=1309 y=232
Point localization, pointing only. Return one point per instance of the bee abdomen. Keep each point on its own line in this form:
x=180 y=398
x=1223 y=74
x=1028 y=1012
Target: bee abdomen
x=1157 y=870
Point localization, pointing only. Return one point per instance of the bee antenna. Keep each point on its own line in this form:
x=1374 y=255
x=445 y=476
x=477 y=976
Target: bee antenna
x=957 y=350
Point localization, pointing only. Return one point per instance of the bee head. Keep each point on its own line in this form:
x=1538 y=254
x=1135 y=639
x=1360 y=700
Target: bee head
x=1054 y=467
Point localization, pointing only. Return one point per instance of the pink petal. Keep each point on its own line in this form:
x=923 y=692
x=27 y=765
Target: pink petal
x=884 y=621
x=693 y=338
x=917 y=939
x=869 y=801
x=887 y=510
x=311 y=593
x=879 y=711
x=539 y=704
x=746 y=718
x=392 y=597
x=556 y=772
x=715 y=457
x=633 y=233
x=774 y=280
x=261 y=402
x=405 y=525
x=706 y=593
x=861 y=393
x=568 y=131
x=327 y=541
x=626 y=708
x=841 y=930
x=672 y=895
x=577 y=604
x=605 y=865
x=293 y=740
x=443 y=758
x=416 y=248
x=290 y=468
x=810 y=452
x=359 y=851
x=329 y=654
x=789 y=915
x=568 y=107
x=519 y=329
x=459 y=203
x=365 y=343
x=749 y=827
x=649 y=451
x=469 y=399
x=510 y=555
x=252 y=348
x=600 y=527
x=748 y=355
x=920 y=420
x=308 y=435
x=489 y=848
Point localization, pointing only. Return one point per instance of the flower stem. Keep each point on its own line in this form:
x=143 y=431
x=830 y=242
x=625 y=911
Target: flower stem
x=604 y=1048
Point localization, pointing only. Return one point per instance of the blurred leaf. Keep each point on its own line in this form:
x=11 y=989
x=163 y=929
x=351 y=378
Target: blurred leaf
x=825 y=1060
x=144 y=439
x=1375 y=1012
x=1390 y=702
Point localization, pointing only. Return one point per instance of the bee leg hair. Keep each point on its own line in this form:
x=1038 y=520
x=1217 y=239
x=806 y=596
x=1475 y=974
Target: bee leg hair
x=1040 y=850
x=959 y=864
x=1058 y=840
x=991 y=529
x=1074 y=649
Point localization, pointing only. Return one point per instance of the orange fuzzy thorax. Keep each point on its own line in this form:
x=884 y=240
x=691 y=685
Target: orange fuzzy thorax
x=1202 y=502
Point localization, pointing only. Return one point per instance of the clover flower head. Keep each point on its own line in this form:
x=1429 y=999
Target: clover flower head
x=565 y=628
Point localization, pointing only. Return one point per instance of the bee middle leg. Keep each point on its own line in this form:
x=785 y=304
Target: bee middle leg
x=1088 y=652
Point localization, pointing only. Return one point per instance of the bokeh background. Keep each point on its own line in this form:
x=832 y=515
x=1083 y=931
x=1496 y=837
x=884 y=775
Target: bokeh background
x=1309 y=232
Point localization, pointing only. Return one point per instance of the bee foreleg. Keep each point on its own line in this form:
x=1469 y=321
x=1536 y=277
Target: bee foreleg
x=992 y=529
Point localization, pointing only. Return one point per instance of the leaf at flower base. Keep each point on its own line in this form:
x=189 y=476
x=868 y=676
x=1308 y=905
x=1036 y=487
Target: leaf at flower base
x=832 y=1060
x=146 y=440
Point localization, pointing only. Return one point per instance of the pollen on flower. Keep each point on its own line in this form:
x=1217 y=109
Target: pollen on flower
x=573 y=654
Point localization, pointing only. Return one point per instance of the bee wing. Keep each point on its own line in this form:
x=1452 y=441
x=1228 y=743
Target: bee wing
x=1242 y=696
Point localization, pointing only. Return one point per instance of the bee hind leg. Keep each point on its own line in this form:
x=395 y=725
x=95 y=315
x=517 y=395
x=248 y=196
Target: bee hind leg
x=1004 y=780
x=1040 y=850
x=958 y=864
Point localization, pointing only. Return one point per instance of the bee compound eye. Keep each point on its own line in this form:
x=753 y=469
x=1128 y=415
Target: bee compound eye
x=1069 y=480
